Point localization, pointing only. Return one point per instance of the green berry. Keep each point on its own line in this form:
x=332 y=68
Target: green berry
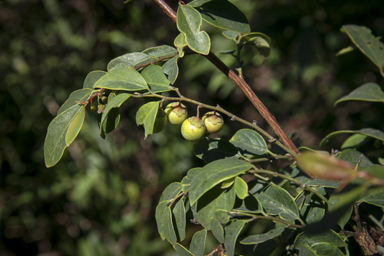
x=176 y=113
x=104 y=99
x=93 y=109
x=192 y=128
x=213 y=121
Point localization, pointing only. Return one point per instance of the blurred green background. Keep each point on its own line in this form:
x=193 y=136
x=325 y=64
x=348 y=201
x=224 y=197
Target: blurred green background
x=100 y=198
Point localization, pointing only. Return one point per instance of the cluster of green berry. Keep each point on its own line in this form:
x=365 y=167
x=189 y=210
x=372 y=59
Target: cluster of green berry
x=192 y=128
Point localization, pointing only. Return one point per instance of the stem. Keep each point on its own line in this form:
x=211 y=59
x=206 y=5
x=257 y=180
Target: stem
x=240 y=82
x=275 y=174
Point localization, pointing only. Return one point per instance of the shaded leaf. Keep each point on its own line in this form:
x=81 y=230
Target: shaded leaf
x=259 y=40
x=156 y=79
x=241 y=188
x=250 y=205
x=171 y=69
x=367 y=92
x=249 y=141
x=197 y=3
x=354 y=141
x=338 y=200
x=367 y=43
x=232 y=231
x=278 y=201
x=146 y=115
x=166 y=220
x=160 y=209
x=354 y=157
x=376 y=170
x=312 y=240
x=214 y=173
x=179 y=213
x=125 y=79
x=256 y=239
x=210 y=150
x=215 y=199
x=307 y=251
x=376 y=198
x=327 y=249
x=217 y=230
x=377 y=134
x=111 y=114
x=197 y=246
x=223 y=14
x=181 y=250
x=189 y=22
x=92 y=78
x=230 y=34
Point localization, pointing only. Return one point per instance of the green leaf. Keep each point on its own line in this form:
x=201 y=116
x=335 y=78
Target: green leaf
x=130 y=60
x=215 y=199
x=307 y=251
x=181 y=250
x=335 y=202
x=214 y=173
x=156 y=79
x=259 y=40
x=56 y=140
x=75 y=126
x=189 y=22
x=222 y=216
x=257 y=239
x=210 y=150
x=376 y=170
x=313 y=209
x=146 y=115
x=312 y=240
x=327 y=249
x=197 y=246
x=377 y=134
x=92 y=78
x=197 y=3
x=228 y=183
x=376 y=198
x=367 y=92
x=354 y=157
x=367 y=43
x=323 y=183
x=111 y=114
x=125 y=79
x=354 y=141
x=232 y=231
x=223 y=14
x=161 y=52
x=230 y=34
x=171 y=191
x=74 y=99
x=160 y=209
x=217 y=230
x=241 y=188
x=278 y=201
x=249 y=141
x=169 y=232
x=179 y=213
x=180 y=43
x=171 y=69
x=250 y=205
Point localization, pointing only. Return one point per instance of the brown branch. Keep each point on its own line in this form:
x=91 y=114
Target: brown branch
x=242 y=84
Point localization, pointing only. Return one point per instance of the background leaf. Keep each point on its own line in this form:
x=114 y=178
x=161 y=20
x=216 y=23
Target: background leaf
x=367 y=92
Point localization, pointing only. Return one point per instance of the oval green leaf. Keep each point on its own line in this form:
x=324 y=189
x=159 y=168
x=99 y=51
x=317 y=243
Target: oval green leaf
x=376 y=134
x=130 y=60
x=367 y=92
x=189 y=22
x=197 y=246
x=257 y=239
x=217 y=230
x=171 y=69
x=181 y=250
x=241 y=188
x=213 y=174
x=126 y=79
x=179 y=214
x=171 y=191
x=156 y=79
x=92 y=78
x=259 y=40
x=146 y=115
x=312 y=240
x=249 y=142
x=162 y=52
x=232 y=231
x=327 y=249
x=75 y=126
x=74 y=99
x=278 y=201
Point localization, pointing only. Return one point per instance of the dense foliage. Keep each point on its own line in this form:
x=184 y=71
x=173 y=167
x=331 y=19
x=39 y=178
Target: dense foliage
x=102 y=202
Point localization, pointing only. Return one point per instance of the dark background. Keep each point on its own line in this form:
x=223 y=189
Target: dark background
x=101 y=197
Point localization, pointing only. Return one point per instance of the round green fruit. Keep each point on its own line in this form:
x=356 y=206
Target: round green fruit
x=213 y=121
x=104 y=99
x=93 y=109
x=160 y=121
x=192 y=128
x=176 y=113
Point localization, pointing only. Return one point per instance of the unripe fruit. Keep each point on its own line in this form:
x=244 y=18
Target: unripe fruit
x=93 y=109
x=104 y=99
x=160 y=121
x=192 y=128
x=213 y=121
x=176 y=113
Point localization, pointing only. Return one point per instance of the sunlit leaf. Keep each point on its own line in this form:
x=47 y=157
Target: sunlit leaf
x=228 y=183
x=162 y=52
x=75 y=126
x=232 y=231
x=214 y=173
x=74 y=99
x=198 y=243
x=354 y=141
x=146 y=115
x=156 y=79
x=249 y=141
x=92 y=78
x=241 y=188
x=180 y=43
x=367 y=43
x=278 y=201
x=125 y=79
x=261 y=238
x=189 y=22
x=130 y=60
